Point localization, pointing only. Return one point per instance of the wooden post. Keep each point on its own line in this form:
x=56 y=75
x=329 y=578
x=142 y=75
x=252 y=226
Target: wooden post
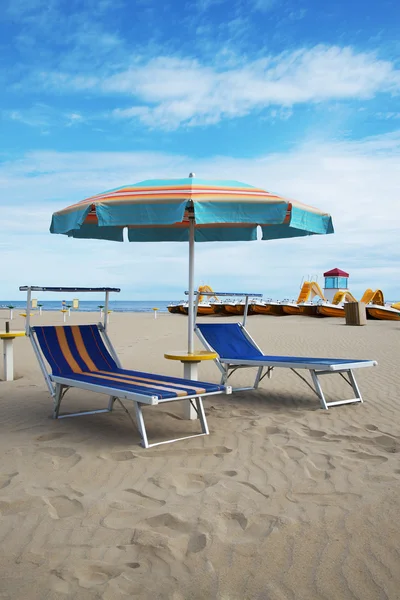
x=355 y=313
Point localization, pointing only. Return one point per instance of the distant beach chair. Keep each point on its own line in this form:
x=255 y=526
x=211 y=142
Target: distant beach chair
x=82 y=356
x=237 y=350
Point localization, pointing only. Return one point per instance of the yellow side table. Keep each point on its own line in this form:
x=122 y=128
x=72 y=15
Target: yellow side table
x=190 y=371
x=8 y=355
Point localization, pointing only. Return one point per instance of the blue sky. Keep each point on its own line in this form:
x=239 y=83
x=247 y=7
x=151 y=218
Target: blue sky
x=299 y=97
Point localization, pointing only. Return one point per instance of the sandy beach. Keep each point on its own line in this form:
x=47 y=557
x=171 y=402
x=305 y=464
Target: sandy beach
x=281 y=501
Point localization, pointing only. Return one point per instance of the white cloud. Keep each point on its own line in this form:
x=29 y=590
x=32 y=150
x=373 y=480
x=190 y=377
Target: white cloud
x=43 y=116
x=168 y=91
x=357 y=182
x=387 y=116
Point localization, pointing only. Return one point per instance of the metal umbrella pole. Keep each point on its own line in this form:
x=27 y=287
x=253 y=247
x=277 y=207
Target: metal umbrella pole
x=190 y=367
x=191 y=286
x=191 y=277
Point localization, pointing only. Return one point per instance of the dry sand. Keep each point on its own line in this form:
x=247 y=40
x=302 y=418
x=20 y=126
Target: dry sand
x=281 y=501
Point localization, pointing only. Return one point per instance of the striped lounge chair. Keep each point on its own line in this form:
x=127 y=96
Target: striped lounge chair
x=236 y=349
x=82 y=356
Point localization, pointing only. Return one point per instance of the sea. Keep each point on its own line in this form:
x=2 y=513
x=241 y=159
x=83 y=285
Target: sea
x=142 y=306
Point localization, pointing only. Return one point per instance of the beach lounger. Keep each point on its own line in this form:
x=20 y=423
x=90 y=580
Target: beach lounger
x=237 y=350
x=82 y=356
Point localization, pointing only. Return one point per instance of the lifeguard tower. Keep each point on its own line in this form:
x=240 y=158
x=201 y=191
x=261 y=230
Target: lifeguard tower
x=336 y=280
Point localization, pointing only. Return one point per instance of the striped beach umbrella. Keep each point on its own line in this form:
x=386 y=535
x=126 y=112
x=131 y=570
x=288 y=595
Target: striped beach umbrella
x=190 y=209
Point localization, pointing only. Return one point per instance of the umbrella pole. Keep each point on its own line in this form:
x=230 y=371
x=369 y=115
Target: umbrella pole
x=191 y=286
x=189 y=367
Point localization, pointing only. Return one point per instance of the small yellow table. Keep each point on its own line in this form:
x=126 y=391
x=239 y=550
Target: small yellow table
x=190 y=371
x=8 y=356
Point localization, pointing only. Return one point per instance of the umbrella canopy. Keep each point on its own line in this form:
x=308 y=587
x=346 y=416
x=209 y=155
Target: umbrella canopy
x=190 y=209
x=159 y=210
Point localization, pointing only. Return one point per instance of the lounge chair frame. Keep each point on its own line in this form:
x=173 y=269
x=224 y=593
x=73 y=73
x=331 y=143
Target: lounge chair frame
x=58 y=385
x=345 y=370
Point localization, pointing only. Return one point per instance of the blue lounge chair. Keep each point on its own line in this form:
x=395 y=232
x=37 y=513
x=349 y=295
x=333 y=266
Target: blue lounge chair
x=82 y=356
x=237 y=350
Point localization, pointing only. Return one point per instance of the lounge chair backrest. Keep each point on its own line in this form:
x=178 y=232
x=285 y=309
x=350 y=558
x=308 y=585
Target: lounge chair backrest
x=229 y=340
x=74 y=349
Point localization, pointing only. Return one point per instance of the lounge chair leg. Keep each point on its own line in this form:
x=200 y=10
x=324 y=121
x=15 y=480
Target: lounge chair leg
x=318 y=389
x=141 y=425
x=111 y=403
x=258 y=377
x=225 y=375
x=202 y=416
x=355 y=387
x=57 y=400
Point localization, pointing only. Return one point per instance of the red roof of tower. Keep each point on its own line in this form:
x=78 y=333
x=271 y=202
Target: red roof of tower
x=336 y=273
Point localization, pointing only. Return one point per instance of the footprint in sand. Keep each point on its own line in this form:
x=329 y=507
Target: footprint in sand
x=218 y=451
x=237 y=527
x=130 y=497
x=123 y=455
x=387 y=443
x=272 y=430
x=94 y=574
x=197 y=543
x=373 y=459
x=58 y=452
x=230 y=473
x=255 y=488
x=58 y=583
x=371 y=428
x=48 y=437
x=243 y=412
x=237 y=517
x=146 y=501
x=5 y=479
x=169 y=522
x=171 y=526
x=294 y=452
x=325 y=499
x=61 y=507
x=48 y=492
x=185 y=483
x=124 y=510
x=314 y=433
